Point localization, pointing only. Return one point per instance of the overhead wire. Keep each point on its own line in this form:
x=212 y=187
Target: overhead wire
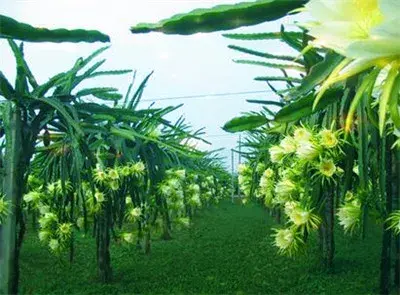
x=207 y=95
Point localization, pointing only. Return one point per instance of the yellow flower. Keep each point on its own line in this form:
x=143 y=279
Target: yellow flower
x=125 y=171
x=328 y=138
x=114 y=185
x=327 y=168
x=113 y=174
x=100 y=176
x=64 y=230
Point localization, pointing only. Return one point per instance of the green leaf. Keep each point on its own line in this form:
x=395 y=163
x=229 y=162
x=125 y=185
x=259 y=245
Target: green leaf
x=266 y=102
x=92 y=91
x=304 y=106
x=394 y=103
x=107 y=73
x=262 y=36
x=138 y=93
x=12 y=29
x=278 y=78
x=57 y=105
x=317 y=75
x=19 y=57
x=262 y=54
x=108 y=95
x=245 y=123
x=222 y=17
x=311 y=57
x=385 y=97
x=270 y=65
x=6 y=88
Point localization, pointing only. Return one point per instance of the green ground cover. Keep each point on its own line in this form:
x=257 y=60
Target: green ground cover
x=227 y=250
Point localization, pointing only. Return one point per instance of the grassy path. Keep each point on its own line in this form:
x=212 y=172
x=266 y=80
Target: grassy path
x=228 y=250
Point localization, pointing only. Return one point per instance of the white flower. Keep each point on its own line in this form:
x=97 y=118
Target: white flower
x=134 y=213
x=127 y=237
x=349 y=216
x=54 y=245
x=4 y=209
x=195 y=200
x=288 y=145
x=138 y=168
x=99 y=196
x=44 y=209
x=366 y=29
x=301 y=134
x=181 y=174
x=307 y=150
x=47 y=220
x=276 y=153
x=80 y=222
x=285 y=188
x=242 y=168
x=290 y=206
x=288 y=241
x=44 y=235
x=32 y=197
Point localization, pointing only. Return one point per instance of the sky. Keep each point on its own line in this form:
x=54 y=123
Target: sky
x=199 y=64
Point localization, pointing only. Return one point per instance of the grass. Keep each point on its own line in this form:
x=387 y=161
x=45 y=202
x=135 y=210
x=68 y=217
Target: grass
x=228 y=250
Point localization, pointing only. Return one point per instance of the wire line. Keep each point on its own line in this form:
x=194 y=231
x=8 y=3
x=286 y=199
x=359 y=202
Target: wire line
x=207 y=95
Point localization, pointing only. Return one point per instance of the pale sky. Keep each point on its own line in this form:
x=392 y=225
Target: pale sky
x=183 y=65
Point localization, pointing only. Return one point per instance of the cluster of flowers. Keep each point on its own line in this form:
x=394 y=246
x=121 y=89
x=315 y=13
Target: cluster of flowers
x=111 y=178
x=172 y=189
x=133 y=214
x=209 y=186
x=55 y=233
x=245 y=179
x=300 y=161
